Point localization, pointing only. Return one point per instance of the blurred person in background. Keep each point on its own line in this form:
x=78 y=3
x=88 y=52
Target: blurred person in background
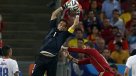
x=100 y=45
x=78 y=70
x=132 y=38
x=94 y=33
x=126 y=14
x=117 y=21
x=107 y=55
x=8 y=66
x=130 y=23
x=106 y=31
x=118 y=38
x=108 y=6
x=115 y=30
x=131 y=64
x=119 y=55
x=94 y=7
x=78 y=35
x=115 y=69
x=91 y=20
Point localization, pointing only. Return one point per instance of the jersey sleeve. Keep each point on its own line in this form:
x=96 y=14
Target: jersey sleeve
x=53 y=23
x=15 y=67
x=128 y=63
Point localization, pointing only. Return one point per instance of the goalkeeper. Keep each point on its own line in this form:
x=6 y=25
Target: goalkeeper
x=48 y=56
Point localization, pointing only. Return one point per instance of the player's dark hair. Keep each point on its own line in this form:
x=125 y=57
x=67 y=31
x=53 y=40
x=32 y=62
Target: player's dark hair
x=5 y=50
x=115 y=10
x=64 y=21
x=133 y=52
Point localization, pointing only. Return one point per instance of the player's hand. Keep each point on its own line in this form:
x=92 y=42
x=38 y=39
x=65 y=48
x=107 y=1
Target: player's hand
x=78 y=11
x=65 y=53
x=65 y=5
x=64 y=48
x=76 y=21
x=75 y=60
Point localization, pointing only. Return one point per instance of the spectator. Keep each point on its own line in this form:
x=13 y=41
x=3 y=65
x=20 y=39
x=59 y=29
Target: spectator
x=106 y=31
x=91 y=20
x=118 y=38
x=132 y=38
x=100 y=45
x=108 y=6
x=125 y=4
x=115 y=30
x=133 y=5
x=131 y=22
x=85 y=4
x=107 y=55
x=73 y=42
x=94 y=7
x=9 y=67
x=126 y=14
x=119 y=55
x=116 y=21
x=115 y=69
x=131 y=64
x=77 y=69
x=94 y=34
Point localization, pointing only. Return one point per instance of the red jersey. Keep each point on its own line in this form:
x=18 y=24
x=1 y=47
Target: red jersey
x=111 y=45
x=96 y=59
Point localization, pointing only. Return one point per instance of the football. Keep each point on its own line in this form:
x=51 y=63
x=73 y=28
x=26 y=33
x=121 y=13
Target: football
x=73 y=5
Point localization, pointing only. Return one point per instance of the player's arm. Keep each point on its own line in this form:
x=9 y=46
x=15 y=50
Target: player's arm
x=84 y=61
x=56 y=13
x=59 y=10
x=75 y=24
x=126 y=72
x=76 y=21
x=15 y=68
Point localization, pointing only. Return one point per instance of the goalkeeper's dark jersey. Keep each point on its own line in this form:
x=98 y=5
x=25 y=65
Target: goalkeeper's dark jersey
x=54 y=39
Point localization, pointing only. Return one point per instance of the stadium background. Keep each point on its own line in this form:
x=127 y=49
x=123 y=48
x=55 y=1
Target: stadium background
x=25 y=24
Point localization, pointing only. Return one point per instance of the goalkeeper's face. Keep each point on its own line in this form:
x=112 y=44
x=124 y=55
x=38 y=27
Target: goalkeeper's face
x=62 y=26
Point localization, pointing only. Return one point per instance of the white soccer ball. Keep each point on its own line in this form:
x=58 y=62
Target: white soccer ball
x=73 y=5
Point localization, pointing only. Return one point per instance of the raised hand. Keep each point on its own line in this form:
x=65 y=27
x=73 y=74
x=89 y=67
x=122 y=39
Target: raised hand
x=75 y=60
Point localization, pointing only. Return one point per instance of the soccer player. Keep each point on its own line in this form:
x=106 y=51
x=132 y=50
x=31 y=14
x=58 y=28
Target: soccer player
x=8 y=66
x=94 y=58
x=131 y=64
x=48 y=57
